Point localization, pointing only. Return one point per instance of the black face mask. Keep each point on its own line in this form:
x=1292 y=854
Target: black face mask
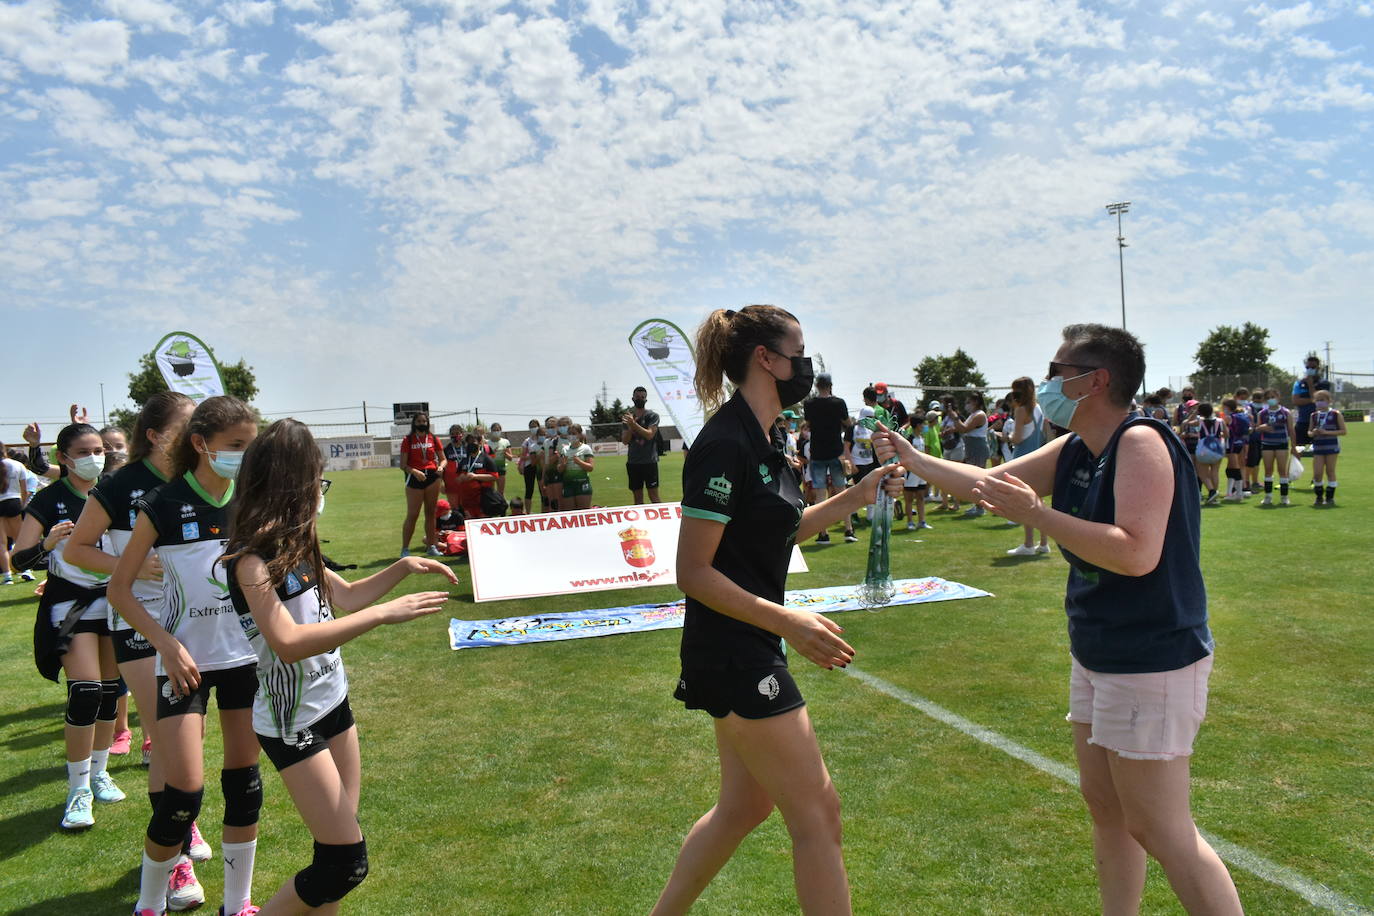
x=422 y=429
x=640 y=402
x=792 y=390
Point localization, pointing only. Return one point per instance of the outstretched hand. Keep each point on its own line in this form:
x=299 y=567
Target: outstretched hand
x=818 y=638
x=1008 y=496
x=421 y=565
x=408 y=607
x=888 y=443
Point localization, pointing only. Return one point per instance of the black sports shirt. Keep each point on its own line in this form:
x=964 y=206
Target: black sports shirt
x=737 y=475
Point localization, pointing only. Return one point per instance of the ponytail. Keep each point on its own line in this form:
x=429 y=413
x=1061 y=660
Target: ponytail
x=156 y=415
x=726 y=340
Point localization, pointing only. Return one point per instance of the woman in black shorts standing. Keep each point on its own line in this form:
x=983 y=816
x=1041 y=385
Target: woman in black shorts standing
x=422 y=458
x=742 y=513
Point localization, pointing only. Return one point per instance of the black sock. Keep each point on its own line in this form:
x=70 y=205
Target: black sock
x=1211 y=492
x=1330 y=494
x=1283 y=489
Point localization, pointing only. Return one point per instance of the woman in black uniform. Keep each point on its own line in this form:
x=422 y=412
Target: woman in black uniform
x=742 y=513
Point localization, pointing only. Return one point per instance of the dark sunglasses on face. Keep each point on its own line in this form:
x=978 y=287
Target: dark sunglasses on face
x=1057 y=369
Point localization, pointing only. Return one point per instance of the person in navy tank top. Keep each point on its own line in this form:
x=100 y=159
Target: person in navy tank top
x=1127 y=518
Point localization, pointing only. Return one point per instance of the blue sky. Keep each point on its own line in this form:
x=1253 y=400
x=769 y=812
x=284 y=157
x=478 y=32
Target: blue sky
x=473 y=203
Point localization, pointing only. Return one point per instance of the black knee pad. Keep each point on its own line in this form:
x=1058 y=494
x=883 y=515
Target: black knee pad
x=242 y=796
x=335 y=871
x=83 y=702
x=176 y=809
x=109 y=700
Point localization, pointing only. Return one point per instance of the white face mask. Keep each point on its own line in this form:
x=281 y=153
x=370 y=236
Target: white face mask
x=88 y=467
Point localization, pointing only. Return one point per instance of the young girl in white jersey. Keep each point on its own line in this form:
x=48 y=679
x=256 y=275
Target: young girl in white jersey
x=200 y=645
x=71 y=633
x=284 y=598
x=108 y=519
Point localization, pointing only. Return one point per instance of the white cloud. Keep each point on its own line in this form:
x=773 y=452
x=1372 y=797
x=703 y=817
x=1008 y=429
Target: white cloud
x=1288 y=19
x=33 y=34
x=152 y=15
x=249 y=12
x=1303 y=46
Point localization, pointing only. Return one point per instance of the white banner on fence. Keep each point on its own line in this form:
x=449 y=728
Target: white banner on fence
x=187 y=366
x=590 y=550
x=346 y=453
x=666 y=355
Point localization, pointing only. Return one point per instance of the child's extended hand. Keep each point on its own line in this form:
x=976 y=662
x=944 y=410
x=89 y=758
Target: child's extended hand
x=421 y=565
x=408 y=607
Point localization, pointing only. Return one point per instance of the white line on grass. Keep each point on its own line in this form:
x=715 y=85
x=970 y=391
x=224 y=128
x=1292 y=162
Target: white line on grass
x=1281 y=875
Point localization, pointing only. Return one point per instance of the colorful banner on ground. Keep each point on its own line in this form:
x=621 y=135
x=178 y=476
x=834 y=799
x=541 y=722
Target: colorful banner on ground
x=558 y=553
x=666 y=355
x=638 y=618
x=187 y=366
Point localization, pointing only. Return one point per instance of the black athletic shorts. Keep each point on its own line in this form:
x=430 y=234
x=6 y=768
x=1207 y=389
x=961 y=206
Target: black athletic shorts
x=11 y=508
x=130 y=646
x=1252 y=457
x=234 y=689
x=750 y=693
x=431 y=475
x=99 y=627
x=643 y=475
x=309 y=742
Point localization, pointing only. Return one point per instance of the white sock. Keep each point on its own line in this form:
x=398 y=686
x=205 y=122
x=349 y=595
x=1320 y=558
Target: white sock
x=79 y=774
x=238 y=874
x=99 y=760
x=152 y=884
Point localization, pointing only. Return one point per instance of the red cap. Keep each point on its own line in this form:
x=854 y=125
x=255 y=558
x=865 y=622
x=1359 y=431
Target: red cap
x=881 y=386
x=442 y=505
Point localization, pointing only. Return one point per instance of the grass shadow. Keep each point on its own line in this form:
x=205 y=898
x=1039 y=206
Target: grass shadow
x=112 y=899
x=1003 y=562
x=29 y=828
x=49 y=712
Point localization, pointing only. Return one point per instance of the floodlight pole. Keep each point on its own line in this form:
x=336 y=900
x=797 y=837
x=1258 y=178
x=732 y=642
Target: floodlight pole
x=1118 y=209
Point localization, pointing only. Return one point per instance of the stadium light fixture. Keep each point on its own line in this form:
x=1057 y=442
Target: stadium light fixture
x=1118 y=209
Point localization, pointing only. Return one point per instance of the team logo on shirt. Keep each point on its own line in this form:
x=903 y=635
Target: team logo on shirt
x=190 y=531
x=292 y=583
x=187 y=510
x=719 y=489
x=302 y=740
x=763 y=472
x=769 y=687
x=135 y=495
x=221 y=588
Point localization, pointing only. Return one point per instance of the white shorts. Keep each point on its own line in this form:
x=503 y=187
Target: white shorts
x=1152 y=716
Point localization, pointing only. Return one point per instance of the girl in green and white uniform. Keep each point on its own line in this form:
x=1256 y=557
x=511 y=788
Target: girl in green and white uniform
x=284 y=600
x=576 y=461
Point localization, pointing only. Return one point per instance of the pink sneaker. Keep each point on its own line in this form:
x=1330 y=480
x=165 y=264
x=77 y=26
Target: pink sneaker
x=200 y=850
x=147 y=750
x=248 y=910
x=122 y=741
x=183 y=890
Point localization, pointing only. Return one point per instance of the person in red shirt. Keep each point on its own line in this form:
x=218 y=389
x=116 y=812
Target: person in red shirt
x=422 y=459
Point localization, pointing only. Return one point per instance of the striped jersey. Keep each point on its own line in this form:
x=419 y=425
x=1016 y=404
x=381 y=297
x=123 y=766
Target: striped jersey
x=191 y=533
x=1277 y=417
x=118 y=495
x=292 y=696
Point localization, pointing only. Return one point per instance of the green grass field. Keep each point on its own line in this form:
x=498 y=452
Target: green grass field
x=560 y=778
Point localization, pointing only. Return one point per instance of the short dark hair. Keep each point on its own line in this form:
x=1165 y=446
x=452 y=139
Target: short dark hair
x=639 y=388
x=1116 y=350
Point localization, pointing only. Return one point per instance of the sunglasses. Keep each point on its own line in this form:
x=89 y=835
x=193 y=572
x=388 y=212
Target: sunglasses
x=1057 y=369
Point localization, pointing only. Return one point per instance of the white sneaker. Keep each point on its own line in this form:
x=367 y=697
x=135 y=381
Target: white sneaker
x=1042 y=548
x=1284 y=502
x=910 y=526
x=1021 y=550
x=434 y=551
x=199 y=850
x=26 y=576
x=104 y=788
x=183 y=888
x=77 y=815
x=925 y=526
x=1267 y=501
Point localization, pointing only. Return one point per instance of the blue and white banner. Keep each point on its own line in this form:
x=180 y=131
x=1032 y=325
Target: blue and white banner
x=637 y=618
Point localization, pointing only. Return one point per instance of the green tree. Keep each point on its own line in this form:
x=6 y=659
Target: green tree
x=239 y=381
x=1234 y=351
x=605 y=421
x=939 y=375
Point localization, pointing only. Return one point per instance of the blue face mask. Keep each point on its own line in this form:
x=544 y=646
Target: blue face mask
x=225 y=464
x=1273 y=402
x=1057 y=406
x=562 y=430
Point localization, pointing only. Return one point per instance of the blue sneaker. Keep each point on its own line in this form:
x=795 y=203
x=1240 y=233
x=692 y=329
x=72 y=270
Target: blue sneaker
x=78 y=813
x=405 y=552
x=106 y=792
